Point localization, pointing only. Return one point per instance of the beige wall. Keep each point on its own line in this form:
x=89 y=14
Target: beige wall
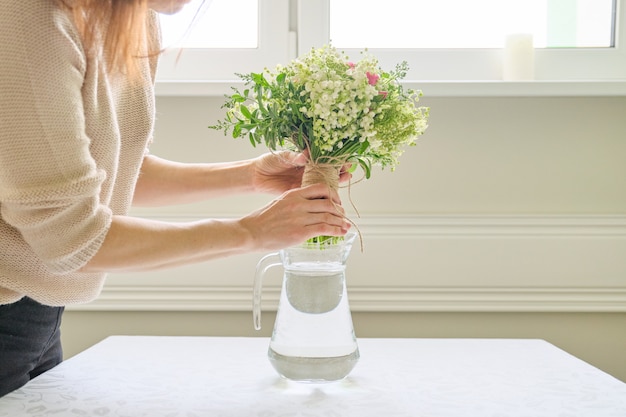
x=507 y=220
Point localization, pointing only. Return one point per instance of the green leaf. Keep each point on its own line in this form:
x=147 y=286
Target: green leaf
x=252 y=140
x=258 y=78
x=244 y=110
x=366 y=166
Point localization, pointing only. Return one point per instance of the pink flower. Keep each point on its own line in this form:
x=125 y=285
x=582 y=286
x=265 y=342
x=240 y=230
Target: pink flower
x=351 y=65
x=383 y=93
x=372 y=79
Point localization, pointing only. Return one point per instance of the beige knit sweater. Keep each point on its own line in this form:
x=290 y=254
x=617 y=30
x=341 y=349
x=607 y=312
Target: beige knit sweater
x=72 y=141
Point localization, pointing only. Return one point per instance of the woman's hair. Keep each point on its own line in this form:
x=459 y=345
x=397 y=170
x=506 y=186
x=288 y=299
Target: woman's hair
x=117 y=29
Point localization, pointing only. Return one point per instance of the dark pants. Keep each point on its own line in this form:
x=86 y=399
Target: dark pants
x=30 y=342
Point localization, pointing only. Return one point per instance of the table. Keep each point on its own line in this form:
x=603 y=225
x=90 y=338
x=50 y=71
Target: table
x=206 y=376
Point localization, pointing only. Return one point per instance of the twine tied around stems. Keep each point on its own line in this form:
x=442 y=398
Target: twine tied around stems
x=328 y=173
x=321 y=174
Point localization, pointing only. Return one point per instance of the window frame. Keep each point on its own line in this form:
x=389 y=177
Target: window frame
x=197 y=64
x=478 y=64
x=441 y=72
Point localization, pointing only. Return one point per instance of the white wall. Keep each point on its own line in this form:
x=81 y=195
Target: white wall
x=508 y=219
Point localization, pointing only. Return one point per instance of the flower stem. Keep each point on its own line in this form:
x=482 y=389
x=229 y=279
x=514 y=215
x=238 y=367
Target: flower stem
x=328 y=174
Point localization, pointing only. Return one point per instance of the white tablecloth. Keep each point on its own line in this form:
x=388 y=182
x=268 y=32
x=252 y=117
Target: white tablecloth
x=201 y=376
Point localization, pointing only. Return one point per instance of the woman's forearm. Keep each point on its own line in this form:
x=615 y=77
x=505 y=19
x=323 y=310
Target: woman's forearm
x=137 y=244
x=164 y=182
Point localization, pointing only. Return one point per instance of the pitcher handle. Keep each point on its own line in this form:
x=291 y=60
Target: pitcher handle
x=258 y=284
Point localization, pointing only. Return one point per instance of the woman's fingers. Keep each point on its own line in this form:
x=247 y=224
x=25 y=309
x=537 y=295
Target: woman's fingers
x=318 y=204
x=296 y=216
x=320 y=191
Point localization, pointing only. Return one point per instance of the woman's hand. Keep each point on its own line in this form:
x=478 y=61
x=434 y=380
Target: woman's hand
x=294 y=217
x=282 y=171
x=135 y=244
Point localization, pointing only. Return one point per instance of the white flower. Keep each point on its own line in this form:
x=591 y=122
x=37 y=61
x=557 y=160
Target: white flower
x=339 y=104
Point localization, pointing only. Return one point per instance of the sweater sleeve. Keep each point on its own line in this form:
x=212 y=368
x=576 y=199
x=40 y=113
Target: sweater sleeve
x=49 y=182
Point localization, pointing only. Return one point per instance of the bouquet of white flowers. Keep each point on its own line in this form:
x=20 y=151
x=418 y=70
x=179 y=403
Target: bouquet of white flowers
x=340 y=112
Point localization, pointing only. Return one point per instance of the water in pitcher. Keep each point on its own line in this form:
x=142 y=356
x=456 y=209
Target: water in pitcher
x=313 y=338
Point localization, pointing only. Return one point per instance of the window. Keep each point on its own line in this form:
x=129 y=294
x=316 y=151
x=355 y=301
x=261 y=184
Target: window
x=443 y=40
x=227 y=37
x=551 y=20
x=470 y=24
x=229 y=24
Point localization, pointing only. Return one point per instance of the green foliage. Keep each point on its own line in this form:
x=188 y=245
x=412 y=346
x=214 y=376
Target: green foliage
x=337 y=110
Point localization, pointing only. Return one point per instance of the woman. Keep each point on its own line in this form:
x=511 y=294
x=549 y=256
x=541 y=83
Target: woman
x=76 y=117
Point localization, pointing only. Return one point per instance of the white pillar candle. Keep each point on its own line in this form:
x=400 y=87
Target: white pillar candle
x=519 y=58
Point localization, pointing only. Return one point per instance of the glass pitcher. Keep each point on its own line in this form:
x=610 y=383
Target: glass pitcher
x=313 y=338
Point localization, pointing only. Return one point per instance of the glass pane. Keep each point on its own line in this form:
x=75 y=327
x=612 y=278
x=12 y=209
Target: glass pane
x=213 y=24
x=470 y=24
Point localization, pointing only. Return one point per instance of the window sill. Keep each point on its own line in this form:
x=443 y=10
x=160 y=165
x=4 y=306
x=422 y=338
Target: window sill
x=543 y=88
